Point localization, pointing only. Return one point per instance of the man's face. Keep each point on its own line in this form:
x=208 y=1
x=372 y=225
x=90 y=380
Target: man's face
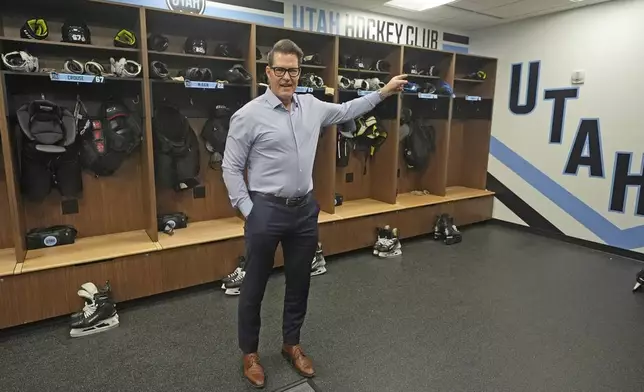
x=282 y=82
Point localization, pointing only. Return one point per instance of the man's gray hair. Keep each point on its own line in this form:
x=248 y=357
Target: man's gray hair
x=285 y=46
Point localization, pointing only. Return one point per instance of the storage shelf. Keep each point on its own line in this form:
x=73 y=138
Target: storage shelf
x=453 y=193
x=7 y=262
x=468 y=80
x=363 y=71
x=325 y=217
x=89 y=249
x=66 y=44
x=363 y=207
x=181 y=82
x=194 y=56
x=203 y=232
x=422 y=76
x=46 y=74
x=312 y=66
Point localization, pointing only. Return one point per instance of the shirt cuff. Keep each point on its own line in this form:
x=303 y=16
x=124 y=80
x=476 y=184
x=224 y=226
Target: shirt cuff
x=375 y=98
x=245 y=207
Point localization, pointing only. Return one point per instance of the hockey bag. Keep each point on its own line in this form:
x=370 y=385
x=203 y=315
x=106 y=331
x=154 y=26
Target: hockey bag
x=108 y=141
x=167 y=223
x=50 y=236
x=419 y=144
x=176 y=157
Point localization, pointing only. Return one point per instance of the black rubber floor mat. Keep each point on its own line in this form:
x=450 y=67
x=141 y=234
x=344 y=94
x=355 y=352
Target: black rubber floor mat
x=305 y=385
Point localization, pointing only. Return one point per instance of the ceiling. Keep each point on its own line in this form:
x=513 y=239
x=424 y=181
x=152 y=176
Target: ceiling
x=468 y=15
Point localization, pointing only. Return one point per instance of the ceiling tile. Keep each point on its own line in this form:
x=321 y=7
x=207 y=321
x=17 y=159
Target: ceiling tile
x=524 y=7
x=481 y=5
x=470 y=21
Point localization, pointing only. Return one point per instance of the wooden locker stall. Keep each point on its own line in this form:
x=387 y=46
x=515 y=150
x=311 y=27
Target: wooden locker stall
x=430 y=67
x=471 y=124
x=117 y=215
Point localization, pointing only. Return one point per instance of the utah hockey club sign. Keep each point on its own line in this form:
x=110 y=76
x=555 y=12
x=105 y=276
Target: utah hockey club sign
x=187 y=6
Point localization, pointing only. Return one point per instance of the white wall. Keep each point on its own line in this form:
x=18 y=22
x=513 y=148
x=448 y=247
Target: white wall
x=607 y=41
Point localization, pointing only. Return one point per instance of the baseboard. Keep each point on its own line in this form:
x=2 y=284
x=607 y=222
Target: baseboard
x=572 y=240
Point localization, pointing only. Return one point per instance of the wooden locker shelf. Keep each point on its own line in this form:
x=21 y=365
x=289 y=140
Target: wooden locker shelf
x=325 y=217
x=468 y=80
x=194 y=56
x=455 y=193
x=311 y=66
x=66 y=44
x=89 y=249
x=46 y=74
x=203 y=232
x=7 y=262
x=363 y=71
x=363 y=207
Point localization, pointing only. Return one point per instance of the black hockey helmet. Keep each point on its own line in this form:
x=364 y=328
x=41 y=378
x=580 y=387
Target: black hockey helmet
x=227 y=50
x=157 y=42
x=356 y=62
x=312 y=59
x=196 y=45
x=34 y=29
x=76 y=31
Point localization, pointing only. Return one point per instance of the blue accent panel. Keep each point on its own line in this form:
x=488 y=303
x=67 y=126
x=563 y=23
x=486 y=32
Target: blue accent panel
x=454 y=48
x=632 y=238
x=213 y=10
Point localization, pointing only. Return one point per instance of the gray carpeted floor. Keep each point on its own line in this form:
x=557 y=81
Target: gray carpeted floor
x=502 y=311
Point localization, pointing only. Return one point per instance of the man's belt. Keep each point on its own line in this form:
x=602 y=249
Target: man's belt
x=285 y=201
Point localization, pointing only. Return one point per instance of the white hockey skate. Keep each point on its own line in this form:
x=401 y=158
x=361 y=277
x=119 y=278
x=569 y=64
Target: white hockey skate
x=318 y=266
x=98 y=314
x=390 y=246
x=383 y=234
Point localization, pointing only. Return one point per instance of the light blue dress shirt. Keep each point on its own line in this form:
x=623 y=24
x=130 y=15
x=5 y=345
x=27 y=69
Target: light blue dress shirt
x=278 y=146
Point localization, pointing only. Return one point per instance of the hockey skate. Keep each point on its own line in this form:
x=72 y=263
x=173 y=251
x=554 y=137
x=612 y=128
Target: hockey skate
x=240 y=267
x=639 y=280
x=391 y=246
x=91 y=288
x=233 y=287
x=318 y=266
x=98 y=315
x=451 y=233
x=439 y=228
x=383 y=234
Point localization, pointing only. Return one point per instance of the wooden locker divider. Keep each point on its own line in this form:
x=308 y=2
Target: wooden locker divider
x=147 y=148
x=251 y=59
x=324 y=167
x=384 y=182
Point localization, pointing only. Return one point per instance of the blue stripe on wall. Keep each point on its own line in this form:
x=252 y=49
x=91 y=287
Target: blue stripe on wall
x=612 y=235
x=454 y=48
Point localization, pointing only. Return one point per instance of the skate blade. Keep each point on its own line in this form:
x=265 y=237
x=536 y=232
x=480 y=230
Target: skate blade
x=233 y=292
x=103 y=326
x=386 y=255
x=637 y=286
x=318 y=271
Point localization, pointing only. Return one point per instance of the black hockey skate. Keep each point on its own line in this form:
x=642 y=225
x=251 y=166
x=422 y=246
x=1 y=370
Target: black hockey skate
x=439 y=228
x=383 y=234
x=98 y=315
x=639 y=282
x=390 y=246
x=241 y=265
x=91 y=288
x=318 y=266
x=233 y=287
x=451 y=234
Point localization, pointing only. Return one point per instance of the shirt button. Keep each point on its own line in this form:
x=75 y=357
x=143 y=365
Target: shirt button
x=300 y=170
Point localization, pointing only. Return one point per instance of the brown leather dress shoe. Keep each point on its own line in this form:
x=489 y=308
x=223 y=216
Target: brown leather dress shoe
x=295 y=355
x=253 y=371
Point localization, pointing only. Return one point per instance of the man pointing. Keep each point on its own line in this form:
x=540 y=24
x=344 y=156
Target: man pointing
x=275 y=137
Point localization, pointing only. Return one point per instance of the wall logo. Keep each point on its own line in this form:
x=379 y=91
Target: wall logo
x=187 y=6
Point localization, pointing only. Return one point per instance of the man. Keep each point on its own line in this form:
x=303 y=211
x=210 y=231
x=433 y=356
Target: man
x=275 y=137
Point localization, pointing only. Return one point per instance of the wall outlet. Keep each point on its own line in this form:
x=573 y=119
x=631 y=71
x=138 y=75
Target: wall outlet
x=578 y=77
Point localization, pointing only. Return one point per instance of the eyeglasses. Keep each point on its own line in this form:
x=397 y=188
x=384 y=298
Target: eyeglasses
x=292 y=72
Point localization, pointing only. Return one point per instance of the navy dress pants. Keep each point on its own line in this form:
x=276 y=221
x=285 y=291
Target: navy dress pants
x=296 y=227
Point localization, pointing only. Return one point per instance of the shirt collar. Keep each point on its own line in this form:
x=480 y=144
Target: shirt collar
x=272 y=99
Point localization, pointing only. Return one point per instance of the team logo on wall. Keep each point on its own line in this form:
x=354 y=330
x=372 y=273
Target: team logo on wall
x=187 y=6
